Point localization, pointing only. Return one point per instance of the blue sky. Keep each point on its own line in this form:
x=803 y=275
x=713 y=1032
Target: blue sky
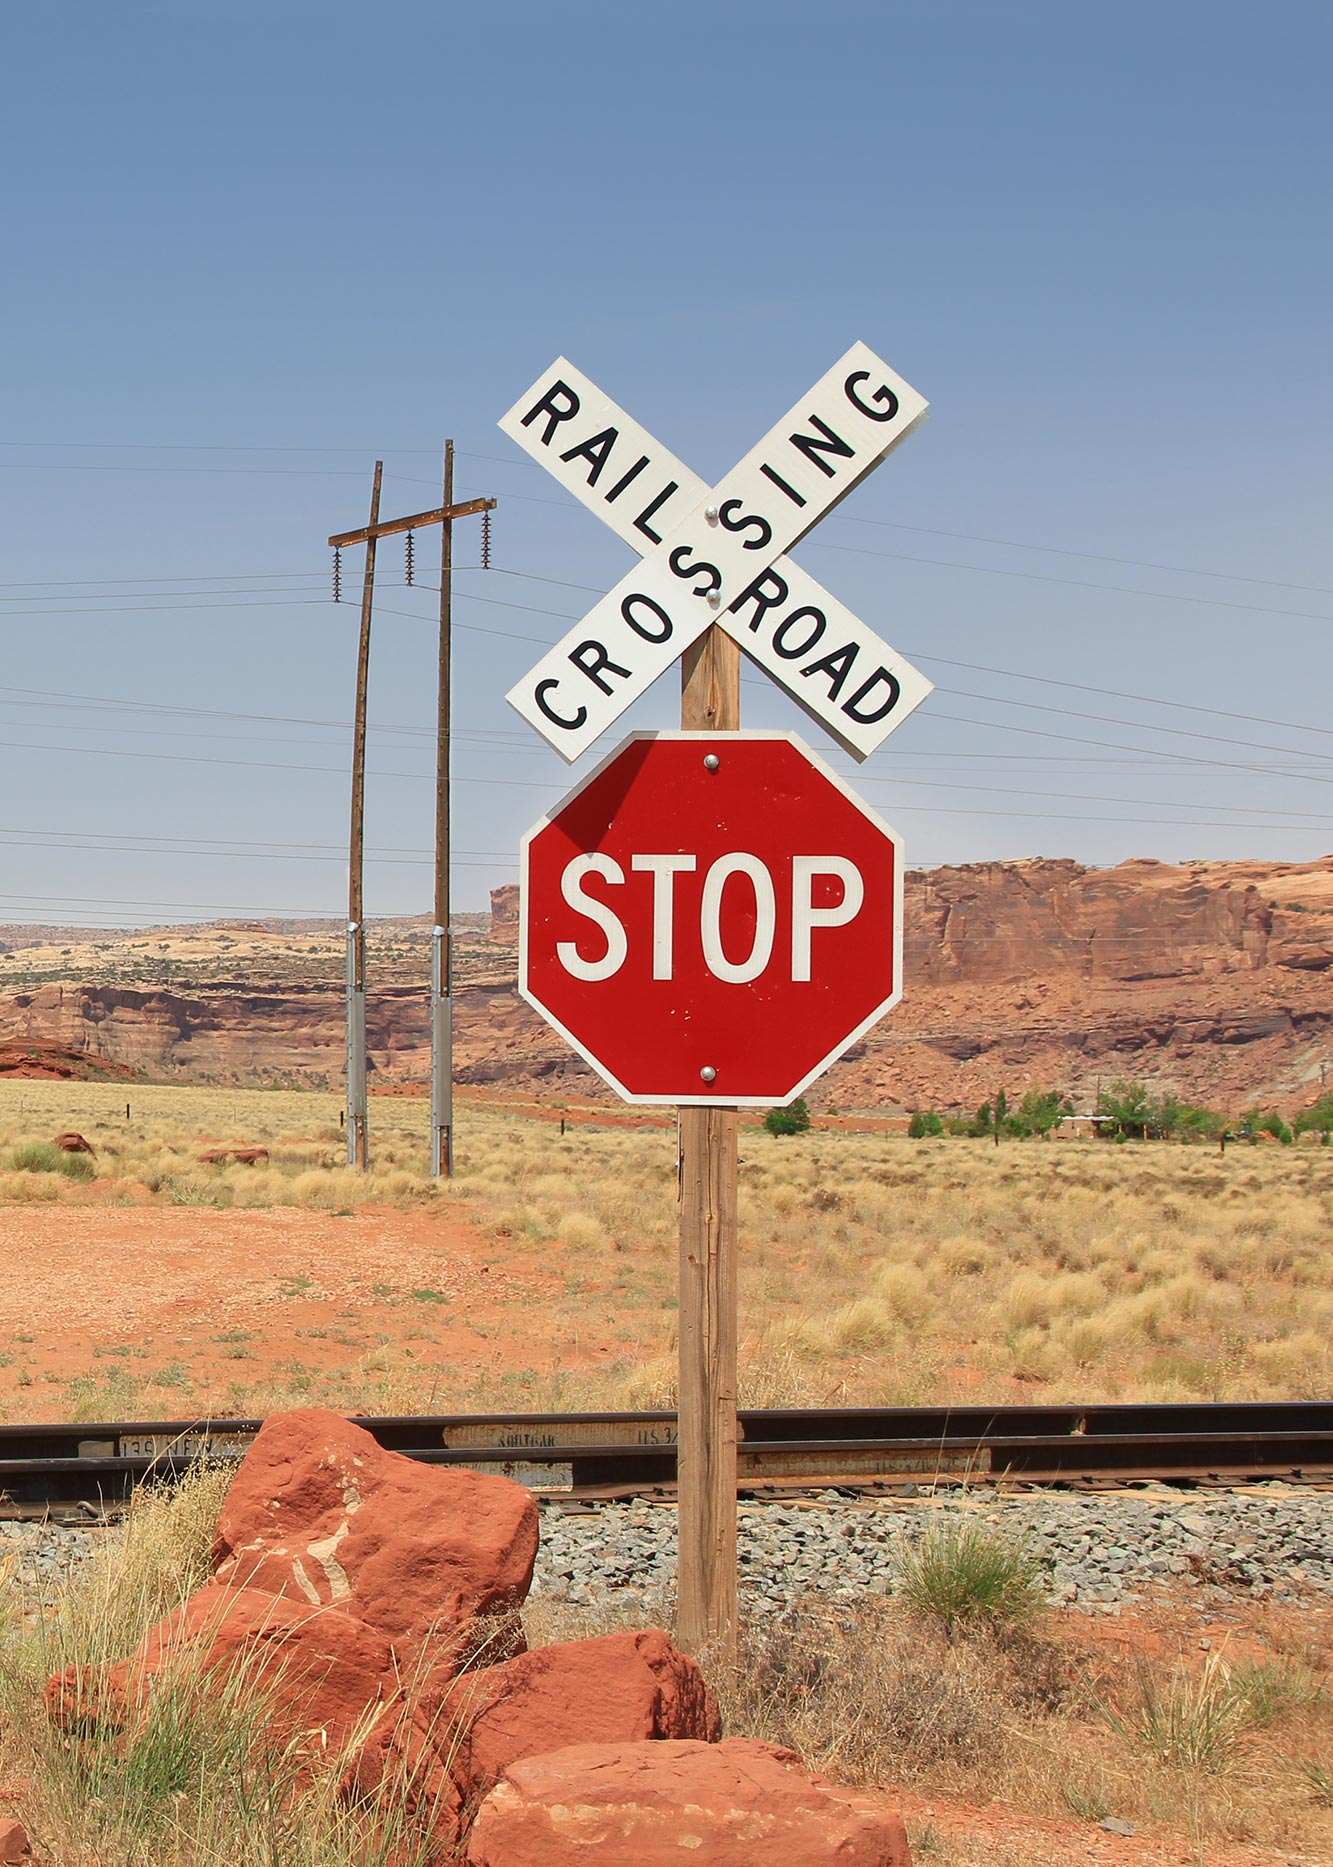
x=253 y=247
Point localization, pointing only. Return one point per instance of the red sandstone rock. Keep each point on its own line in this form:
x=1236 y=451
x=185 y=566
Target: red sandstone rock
x=71 y=1143
x=734 y=1804
x=14 y=1843
x=614 y=1690
x=321 y=1514
x=316 y=1671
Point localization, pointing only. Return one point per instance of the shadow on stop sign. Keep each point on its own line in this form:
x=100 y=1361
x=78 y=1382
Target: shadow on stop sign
x=711 y=918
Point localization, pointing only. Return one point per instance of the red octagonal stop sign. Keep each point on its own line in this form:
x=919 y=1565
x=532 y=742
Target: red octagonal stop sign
x=711 y=917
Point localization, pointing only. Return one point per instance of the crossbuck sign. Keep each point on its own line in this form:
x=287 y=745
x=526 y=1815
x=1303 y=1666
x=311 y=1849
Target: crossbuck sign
x=715 y=554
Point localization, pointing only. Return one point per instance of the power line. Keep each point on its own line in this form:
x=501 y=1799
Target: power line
x=1071 y=583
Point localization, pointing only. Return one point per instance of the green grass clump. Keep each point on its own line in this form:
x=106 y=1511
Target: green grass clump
x=963 y=1573
x=46 y=1157
x=1192 y=1721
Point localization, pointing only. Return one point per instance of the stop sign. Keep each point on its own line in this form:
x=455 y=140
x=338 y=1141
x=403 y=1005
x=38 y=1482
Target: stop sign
x=711 y=917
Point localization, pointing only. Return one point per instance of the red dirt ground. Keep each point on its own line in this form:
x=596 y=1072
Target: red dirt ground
x=90 y=1289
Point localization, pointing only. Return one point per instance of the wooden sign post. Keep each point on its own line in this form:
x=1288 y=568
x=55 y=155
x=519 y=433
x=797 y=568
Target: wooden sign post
x=713 y=578
x=710 y=699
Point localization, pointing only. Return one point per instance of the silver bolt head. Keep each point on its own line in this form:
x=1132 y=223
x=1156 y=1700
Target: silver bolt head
x=714 y=598
x=711 y=761
x=708 y=1073
x=710 y=513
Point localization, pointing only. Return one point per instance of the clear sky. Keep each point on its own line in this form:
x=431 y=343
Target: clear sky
x=251 y=247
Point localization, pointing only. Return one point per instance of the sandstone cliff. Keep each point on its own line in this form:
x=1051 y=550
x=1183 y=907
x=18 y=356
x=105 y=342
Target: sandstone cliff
x=1214 y=979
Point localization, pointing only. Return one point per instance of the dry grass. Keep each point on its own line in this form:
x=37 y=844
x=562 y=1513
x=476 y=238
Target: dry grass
x=1038 y=1720
x=874 y=1270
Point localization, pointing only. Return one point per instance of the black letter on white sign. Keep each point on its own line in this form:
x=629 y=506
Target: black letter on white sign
x=852 y=707
x=883 y=395
x=590 y=658
x=837 y=664
x=557 y=719
x=812 y=449
x=681 y=567
x=594 y=450
x=548 y=408
x=731 y=523
x=649 y=635
x=641 y=523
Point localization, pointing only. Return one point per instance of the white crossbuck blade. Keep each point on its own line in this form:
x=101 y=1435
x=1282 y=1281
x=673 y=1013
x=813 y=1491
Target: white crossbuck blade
x=714 y=554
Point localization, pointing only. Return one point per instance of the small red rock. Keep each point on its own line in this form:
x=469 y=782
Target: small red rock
x=320 y=1513
x=613 y=1690
x=14 y=1843
x=318 y=1671
x=734 y=1804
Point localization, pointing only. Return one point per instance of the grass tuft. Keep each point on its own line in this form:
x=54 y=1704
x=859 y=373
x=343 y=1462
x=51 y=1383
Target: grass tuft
x=963 y=1573
x=46 y=1157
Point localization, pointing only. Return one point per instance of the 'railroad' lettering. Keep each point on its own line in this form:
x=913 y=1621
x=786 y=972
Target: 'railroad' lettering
x=837 y=664
x=595 y=451
x=547 y=406
x=852 y=708
x=641 y=523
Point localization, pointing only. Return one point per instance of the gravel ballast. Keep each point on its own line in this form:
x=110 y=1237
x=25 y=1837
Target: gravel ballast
x=1096 y=1552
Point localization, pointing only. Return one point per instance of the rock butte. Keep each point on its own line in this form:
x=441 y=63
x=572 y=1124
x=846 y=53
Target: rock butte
x=1207 y=977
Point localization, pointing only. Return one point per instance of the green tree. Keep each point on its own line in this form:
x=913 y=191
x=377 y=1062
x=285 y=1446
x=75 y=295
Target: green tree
x=923 y=1123
x=1127 y=1109
x=1039 y=1111
x=794 y=1119
x=1202 y=1124
x=1318 y=1118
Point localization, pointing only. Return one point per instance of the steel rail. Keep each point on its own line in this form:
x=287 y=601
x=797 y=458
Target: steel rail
x=621 y=1454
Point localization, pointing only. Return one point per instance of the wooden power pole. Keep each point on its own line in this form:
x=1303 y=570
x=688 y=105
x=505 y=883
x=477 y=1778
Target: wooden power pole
x=441 y=1001
x=358 y=1144
x=706 y=1405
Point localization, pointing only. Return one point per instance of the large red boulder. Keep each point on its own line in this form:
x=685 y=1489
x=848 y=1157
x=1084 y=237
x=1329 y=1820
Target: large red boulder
x=614 y=1690
x=316 y=1672
x=734 y=1804
x=319 y=1513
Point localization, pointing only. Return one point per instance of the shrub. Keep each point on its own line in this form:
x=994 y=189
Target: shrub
x=924 y=1123
x=46 y=1157
x=1191 y=1723
x=1318 y=1119
x=794 y=1119
x=960 y=1572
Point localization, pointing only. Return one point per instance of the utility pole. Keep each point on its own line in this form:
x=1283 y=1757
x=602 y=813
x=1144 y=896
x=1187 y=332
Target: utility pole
x=706 y=1403
x=441 y=942
x=358 y=1144
x=441 y=1000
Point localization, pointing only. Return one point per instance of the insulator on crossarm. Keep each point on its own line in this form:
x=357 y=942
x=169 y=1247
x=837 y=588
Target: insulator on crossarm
x=486 y=539
x=409 y=558
x=337 y=574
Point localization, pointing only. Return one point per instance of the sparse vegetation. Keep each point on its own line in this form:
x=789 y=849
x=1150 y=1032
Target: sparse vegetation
x=964 y=1573
x=793 y=1119
x=46 y=1157
x=874 y=1269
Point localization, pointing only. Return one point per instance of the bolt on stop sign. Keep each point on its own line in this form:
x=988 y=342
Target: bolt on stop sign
x=711 y=918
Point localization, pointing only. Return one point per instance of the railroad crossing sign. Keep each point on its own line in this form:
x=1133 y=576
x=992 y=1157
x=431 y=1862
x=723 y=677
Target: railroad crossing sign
x=715 y=554
x=711 y=918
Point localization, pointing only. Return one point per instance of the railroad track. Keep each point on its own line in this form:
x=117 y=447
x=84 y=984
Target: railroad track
x=81 y=1468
